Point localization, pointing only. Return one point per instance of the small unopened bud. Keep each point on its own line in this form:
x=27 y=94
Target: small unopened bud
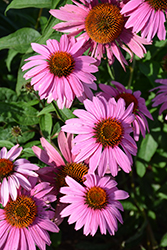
x=29 y=88
x=16 y=131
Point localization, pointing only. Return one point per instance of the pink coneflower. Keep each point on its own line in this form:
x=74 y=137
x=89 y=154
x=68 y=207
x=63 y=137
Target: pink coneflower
x=13 y=174
x=95 y=204
x=147 y=16
x=58 y=168
x=24 y=222
x=161 y=96
x=139 y=109
x=103 y=135
x=103 y=26
x=60 y=72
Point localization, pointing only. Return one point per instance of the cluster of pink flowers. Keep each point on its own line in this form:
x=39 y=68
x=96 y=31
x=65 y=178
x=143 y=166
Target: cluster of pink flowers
x=99 y=142
x=26 y=214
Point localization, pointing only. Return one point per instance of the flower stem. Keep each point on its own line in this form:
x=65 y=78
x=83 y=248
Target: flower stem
x=39 y=15
x=131 y=68
x=39 y=99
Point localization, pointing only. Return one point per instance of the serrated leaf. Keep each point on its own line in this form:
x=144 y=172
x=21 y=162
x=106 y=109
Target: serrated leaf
x=19 y=40
x=19 y=4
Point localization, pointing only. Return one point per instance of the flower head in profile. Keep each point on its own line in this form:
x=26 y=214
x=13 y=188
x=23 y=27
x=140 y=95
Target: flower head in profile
x=103 y=29
x=14 y=173
x=139 y=109
x=161 y=96
x=61 y=72
x=103 y=135
x=147 y=16
x=93 y=205
x=57 y=168
x=24 y=222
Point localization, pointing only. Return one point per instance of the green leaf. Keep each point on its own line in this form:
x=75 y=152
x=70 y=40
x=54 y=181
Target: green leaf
x=19 y=4
x=7 y=144
x=151 y=70
x=43 y=21
x=26 y=134
x=32 y=143
x=49 y=108
x=63 y=114
x=27 y=152
x=7 y=95
x=48 y=30
x=163 y=242
x=128 y=205
x=19 y=40
x=20 y=80
x=11 y=54
x=147 y=148
x=56 y=130
x=152 y=215
x=162 y=192
x=45 y=123
x=140 y=168
x=57 y=3
x=21 y=113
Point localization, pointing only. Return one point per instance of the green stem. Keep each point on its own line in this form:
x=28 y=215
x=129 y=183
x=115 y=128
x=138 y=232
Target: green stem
x=110 y=71
x=131 y=68
x=39 y=99
x=57 y=111
x=39 y=15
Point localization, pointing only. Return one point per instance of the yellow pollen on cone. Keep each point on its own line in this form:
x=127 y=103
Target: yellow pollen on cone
x=158 y=4
x=21 y=212
x=61 y=64
x=104 y=23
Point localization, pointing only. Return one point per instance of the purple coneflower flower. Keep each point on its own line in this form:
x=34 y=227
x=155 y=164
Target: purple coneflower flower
x=103 y=28
x=147 y=16
x=14 y=173
x=24 y=222
x=93 y=205
x=61 y=72
x=104 y=135
x=139 y=109
x=161 y=96
x=58 y=168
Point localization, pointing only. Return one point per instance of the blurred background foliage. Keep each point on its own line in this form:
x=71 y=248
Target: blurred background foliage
x=24 y=118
